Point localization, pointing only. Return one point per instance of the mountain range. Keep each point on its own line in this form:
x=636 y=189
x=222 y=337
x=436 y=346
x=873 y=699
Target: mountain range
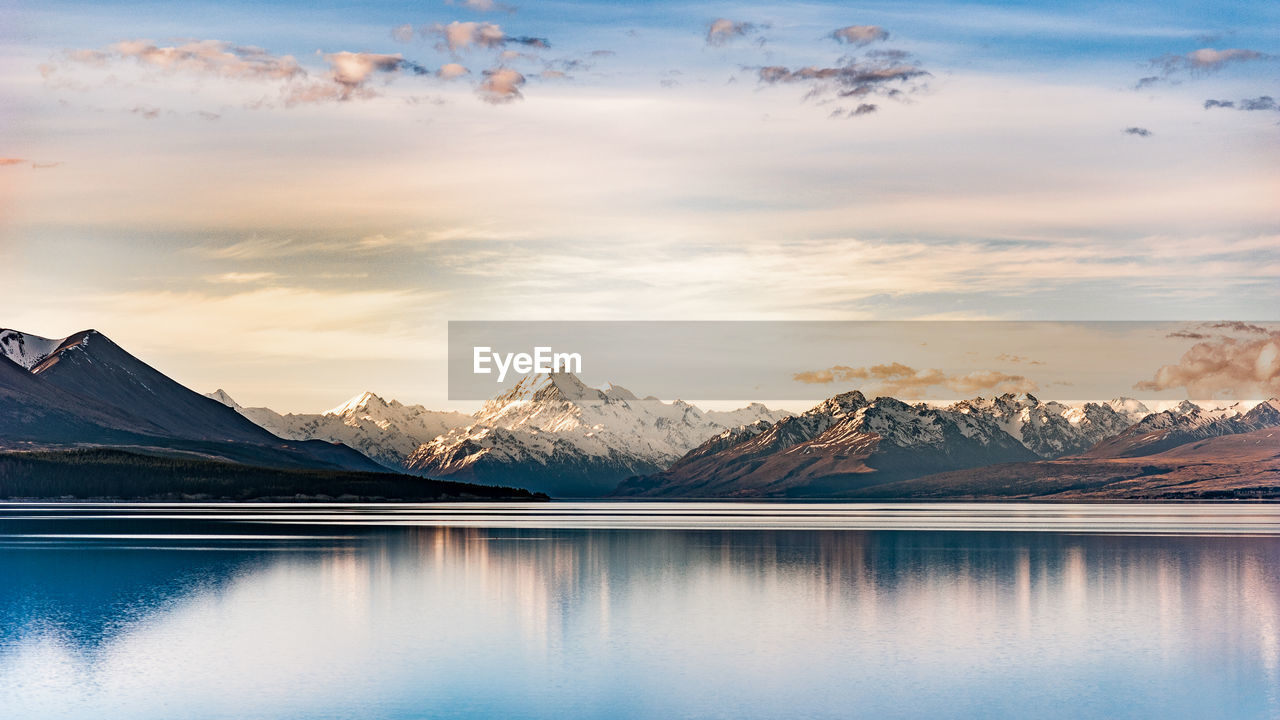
x=554 y=434
x=386 y=432
x=849 y=446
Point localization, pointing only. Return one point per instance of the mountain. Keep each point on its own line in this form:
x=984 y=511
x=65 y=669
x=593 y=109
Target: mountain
x=1053 y=429
x=1187 y=422
x=387 y=432
x=851 y=447
x=554 y=434
x=85 y=389
x=1236 y=466
x=843 y=444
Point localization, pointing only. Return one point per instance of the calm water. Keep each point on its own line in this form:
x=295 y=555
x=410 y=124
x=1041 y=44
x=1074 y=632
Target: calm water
x=672 y=610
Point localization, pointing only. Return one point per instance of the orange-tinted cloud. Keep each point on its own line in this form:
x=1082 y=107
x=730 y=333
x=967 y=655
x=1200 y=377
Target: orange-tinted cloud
x=1227 y=367
x=905 y=381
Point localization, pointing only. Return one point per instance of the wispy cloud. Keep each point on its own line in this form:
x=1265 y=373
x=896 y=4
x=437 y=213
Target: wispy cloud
x=210 y=57
x=1262 y=102
x=860 y=35
x=241 y=278
x=1205 y=60
x=458 y=36
x=483 y=5
x=11 y=161
x=889 y=73
x=346 y=79
x=1138 y=131
x=905 y=381
x=723 y=30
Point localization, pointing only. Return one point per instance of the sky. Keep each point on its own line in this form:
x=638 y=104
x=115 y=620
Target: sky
x=291 y=200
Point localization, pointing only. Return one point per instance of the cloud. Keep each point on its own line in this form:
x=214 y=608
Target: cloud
x=240 y=278
x=458 y=36
x=1187 y=334
x=402 y=33
x=723 y=30
x=1218 y=104
x=349 y=74
x=208 y=57
x=147 y=112
x=1139 y=131
x=45 y=165
x=905 y=381
x=11 y=161
x=878 y=72
x=482 y=5
x=1224 y=368
x=501 y=85
x=1205 y=60
x=1266 y=102
x=450 y=71
x=860 y=35
x=206 y=115
x=1237 y=326
x=1006 y=357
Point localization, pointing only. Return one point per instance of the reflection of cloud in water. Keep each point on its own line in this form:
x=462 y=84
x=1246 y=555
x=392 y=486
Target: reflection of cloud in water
x=549 y=622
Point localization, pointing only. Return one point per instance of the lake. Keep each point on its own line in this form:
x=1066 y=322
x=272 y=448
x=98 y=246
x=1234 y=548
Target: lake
x=616 y=610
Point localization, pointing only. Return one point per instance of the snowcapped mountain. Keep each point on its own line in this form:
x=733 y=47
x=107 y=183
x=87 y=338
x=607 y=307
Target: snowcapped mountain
x=1052 y=429
x=1186 y=423
x=843 y=444
x=554 y=434
x=387 y=432
x=848 y=444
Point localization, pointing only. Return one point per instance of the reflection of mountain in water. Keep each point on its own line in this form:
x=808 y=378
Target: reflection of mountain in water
x=553 y=622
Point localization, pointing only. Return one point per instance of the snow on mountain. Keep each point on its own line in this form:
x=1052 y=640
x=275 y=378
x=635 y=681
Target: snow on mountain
x=1051 y=429
x=1132 y=409
x=842 y=444
x=555 y=434
x=387 y=432
x=25 y=349
x=1187 y=422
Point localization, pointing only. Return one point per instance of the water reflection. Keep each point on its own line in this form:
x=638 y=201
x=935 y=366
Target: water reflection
x=453 y=621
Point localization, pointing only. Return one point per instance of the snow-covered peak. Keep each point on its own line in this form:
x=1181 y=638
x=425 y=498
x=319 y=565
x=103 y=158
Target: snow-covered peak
x=1130 y=408
x=1186 y=407
x=569 y=387
x=26 y=349
x=360 y=403
x=221 y=396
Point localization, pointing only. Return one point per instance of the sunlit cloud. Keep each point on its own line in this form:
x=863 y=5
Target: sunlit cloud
x=723 y=30
x=1225 y=367
x=860 y=35
x=905 y=381
x=501 y=85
